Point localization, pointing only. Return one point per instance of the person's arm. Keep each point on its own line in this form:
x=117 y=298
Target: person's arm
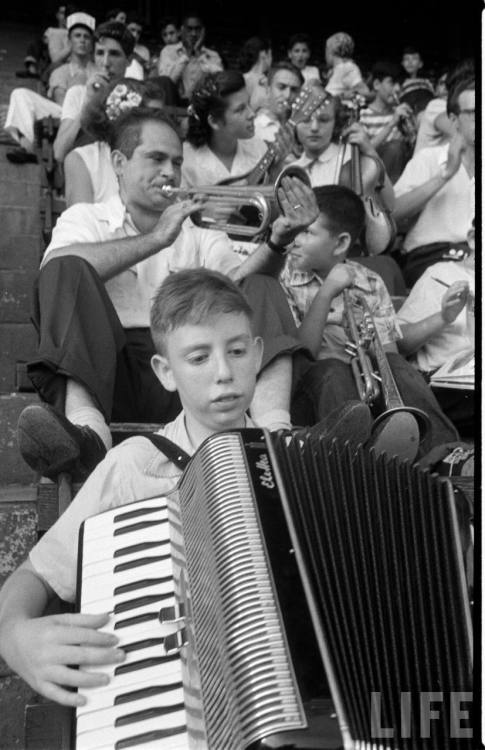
x=443 y=124
x=299 y=210
x=411 y=203
x=311 y=329
x=112 y=257
x=415 y=335
x=70 y=126
x=77 y=180
x=402 y=110
x=45 y=650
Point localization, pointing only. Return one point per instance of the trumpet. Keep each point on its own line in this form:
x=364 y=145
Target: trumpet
x=376 y=384
x=407 y=125
x=226 y=201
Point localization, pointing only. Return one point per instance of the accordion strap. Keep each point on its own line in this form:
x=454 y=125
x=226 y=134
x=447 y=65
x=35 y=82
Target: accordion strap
x=170 y=449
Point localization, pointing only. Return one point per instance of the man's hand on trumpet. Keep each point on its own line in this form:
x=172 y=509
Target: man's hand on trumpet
x=299 y=207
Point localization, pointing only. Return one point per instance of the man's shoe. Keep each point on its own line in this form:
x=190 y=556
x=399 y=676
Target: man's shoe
x=350 y=423
x=21 y=156
x=50 y=444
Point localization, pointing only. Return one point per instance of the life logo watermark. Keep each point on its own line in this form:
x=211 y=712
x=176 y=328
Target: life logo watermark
x=418 y=711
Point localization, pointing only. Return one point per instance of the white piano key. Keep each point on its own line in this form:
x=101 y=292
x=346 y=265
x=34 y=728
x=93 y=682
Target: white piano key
x=150 y=569
x=126 y=683
x=112 y=735
x=96 y=550
x=106 y=596
x=105 y=697
x=104 y=525
x=99 y=718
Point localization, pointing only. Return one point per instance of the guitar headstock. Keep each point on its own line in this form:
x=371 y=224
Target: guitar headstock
x=307 y=102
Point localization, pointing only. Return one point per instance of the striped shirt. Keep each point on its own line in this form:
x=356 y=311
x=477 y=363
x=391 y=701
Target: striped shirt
x=373 y=123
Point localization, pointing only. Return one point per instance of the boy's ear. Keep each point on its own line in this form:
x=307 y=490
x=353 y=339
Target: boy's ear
x=342 y=245
x=118 y=160
x=163 y=371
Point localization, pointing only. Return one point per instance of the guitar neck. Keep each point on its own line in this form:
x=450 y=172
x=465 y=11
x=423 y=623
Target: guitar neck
x=258 y=172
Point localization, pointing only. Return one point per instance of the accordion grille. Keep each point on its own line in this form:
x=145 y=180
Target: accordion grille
x=247 y=679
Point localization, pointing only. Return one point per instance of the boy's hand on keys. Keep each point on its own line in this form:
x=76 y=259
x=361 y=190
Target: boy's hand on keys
x=45 y=652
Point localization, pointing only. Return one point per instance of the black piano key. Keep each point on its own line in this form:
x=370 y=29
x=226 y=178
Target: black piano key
x=138 y=526
x=142 y=739
x=138 y=563
x=148 y=692
x=140 y=601
x=136 y=513
x=128 y=622
x=142 y=547
x=146 y=643
x=148 y=713
x=141 y=584
x=154 y=661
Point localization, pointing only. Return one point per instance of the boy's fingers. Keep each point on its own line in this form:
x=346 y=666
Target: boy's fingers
x=76 y=619
x=85 y=636
x=88 y=655
x=61 y=696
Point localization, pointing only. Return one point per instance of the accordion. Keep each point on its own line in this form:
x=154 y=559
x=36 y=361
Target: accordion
x=279 y=568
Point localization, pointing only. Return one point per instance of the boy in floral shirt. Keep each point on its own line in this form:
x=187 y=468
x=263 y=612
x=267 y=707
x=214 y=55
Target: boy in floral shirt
x=314 y=278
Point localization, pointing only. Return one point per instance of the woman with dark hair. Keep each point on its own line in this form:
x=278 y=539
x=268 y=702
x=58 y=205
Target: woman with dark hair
x=89 y=175
x=255 y=59
x=220 y=139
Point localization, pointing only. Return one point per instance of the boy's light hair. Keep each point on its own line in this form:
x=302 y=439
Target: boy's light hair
x=190 y=297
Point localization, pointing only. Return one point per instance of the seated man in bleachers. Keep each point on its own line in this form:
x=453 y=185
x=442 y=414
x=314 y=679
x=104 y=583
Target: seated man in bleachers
x=189 y=59
x=26 y=106
x=284 y=83
x=438 y=325
x=113 y=45
x=435 y=195
x=93 y=294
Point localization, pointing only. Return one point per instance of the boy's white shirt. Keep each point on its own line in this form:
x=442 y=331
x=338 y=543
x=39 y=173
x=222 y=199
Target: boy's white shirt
x=134 y=470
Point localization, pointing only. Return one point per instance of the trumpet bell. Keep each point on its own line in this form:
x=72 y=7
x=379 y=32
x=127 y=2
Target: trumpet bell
x=243 y=211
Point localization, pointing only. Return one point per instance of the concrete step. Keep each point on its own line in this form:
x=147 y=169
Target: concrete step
x=16 y=295
x=13 y=469
x=18 y=345
x=18 y=526
x=15 y=695
x=20 y=252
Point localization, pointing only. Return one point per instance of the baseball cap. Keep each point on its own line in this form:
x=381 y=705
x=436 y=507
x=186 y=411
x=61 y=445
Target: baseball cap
x=81 y=19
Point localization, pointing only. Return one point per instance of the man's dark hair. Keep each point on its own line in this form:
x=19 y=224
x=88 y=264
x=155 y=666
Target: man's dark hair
x=125 y=134
x=192 y=14
x=169 y=21
x=342 y=208
x=249 y=52
x=285 y=65
x=117 y=31
x=461 y=85
x=209 y=98
x=385 y=69
x=299 y=39
x=410 y=50
x=464 y=70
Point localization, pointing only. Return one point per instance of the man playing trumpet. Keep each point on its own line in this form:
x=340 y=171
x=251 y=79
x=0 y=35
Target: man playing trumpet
x=316 y=274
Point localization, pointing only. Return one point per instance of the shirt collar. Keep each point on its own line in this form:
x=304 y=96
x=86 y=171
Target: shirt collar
x=325 y=157
x=117 y=216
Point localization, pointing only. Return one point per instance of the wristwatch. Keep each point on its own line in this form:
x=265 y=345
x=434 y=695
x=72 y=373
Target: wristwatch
x=279 y=249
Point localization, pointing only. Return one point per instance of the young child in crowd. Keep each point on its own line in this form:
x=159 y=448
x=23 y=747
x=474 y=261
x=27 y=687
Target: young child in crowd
x=314 y=278
x=201 y=327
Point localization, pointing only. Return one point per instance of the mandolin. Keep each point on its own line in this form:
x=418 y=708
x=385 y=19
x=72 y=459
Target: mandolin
x=365 y=175
x=308 y=100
